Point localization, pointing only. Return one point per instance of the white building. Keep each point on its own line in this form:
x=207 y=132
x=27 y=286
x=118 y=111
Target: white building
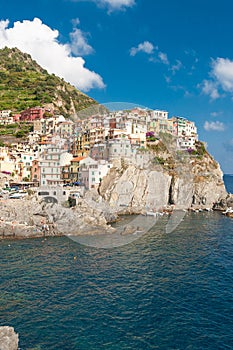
x=91 y=172
x=158 y=114
x=186 y=142
x=6 y=117
x=120 y=147
x=50 y=163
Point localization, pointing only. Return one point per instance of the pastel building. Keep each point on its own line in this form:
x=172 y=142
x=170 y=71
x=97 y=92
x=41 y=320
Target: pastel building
x=31 y=114
x=91 y=172
x=50 y=165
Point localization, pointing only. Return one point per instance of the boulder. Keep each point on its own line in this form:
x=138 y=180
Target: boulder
x=9 y=340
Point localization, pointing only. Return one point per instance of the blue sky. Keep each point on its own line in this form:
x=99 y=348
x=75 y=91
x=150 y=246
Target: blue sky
x=161 y=54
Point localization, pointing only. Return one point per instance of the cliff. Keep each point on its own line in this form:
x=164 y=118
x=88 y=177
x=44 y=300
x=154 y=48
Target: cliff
x=166 y=177
x=154 y=180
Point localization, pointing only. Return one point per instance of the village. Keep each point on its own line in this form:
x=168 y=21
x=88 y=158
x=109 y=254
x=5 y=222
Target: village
x=80 y=152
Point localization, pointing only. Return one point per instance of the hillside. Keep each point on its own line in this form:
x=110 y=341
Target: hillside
x=24 y=84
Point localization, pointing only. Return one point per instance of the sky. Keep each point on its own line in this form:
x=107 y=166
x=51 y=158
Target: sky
x=161 y=54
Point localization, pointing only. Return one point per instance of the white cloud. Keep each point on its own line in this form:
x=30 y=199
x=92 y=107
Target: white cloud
x=111 y=5
x=116 y=4
x=163 y=57
x=214 y=126
x=146 y=47
x=221 y=74
x=210 y=88
x=176 y=67
x=79 y=45
x=41 y=42
x=222 y=71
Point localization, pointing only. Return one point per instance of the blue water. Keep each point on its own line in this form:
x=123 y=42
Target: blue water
x=163 y=291
x=228 y=180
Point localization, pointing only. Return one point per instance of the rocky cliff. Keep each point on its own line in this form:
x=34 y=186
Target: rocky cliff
x=167 y=178
x=158 y=179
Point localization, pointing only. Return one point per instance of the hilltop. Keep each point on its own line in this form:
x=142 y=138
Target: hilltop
x=24 y=83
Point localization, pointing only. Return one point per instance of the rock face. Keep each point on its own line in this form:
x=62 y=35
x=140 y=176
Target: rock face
x=32 y=217
x=182 y=182
x=8 y=338
x=224 y=203
x=146 y=183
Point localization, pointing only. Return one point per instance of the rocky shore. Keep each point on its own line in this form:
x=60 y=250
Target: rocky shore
x=138 y=186
x=9 y=340
x=30 y=217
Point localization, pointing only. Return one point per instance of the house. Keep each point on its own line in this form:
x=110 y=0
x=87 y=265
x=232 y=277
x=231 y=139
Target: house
x=91 y=172
x=74 y=168
x=31 y=114
x=6 y=117
x=50 y=165
x=119 y=147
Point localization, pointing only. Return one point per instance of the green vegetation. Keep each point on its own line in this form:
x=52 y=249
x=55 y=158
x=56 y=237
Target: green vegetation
x=18 y=130
x=200 y=150
x=24 y=84
x=159 y=160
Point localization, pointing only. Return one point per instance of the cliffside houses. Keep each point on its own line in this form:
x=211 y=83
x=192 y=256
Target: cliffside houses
x=60 y=150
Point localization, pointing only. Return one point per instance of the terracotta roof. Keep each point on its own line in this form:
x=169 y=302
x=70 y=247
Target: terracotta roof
x=77 y=159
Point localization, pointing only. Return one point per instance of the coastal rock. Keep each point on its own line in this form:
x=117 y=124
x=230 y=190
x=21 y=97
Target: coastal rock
x=225 y=203
x=33 y=218
x=182 y=182
x=8 y=338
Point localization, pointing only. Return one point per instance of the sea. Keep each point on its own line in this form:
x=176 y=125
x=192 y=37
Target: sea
x=164 y=290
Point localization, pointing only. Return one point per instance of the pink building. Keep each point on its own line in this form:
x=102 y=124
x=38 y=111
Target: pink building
x=31 y=114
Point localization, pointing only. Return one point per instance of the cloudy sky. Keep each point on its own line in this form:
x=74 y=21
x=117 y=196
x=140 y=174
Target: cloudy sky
x=161 y=54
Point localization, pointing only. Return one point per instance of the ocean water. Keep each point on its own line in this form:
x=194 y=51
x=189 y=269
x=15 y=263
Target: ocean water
x=228 y=180
x=162 y=291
